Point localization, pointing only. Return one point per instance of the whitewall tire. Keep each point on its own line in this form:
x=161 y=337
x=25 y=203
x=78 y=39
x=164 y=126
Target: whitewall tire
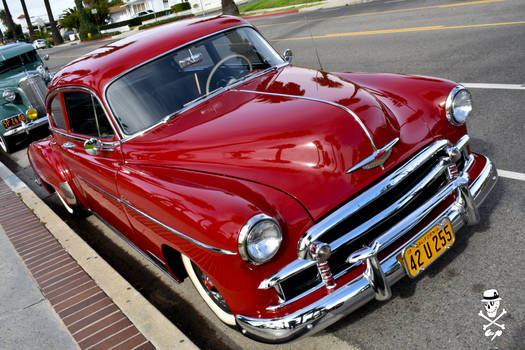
x=210 y=295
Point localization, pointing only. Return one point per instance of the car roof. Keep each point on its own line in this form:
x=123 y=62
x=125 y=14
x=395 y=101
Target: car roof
x=12 y=50
x=97 y=68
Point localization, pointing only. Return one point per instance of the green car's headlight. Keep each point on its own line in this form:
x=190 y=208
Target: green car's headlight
x=458 y=105
x=259 y=239
x=9 y=95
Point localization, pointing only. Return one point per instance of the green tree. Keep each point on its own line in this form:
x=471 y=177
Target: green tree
x=85 y=25
x=102 y=12
x=229 y=8
x=70 y=19
x=8 y=20
x=18 y=33
x=57 y=38
x=28 y=20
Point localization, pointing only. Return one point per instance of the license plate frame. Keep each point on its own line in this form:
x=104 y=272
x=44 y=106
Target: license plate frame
x=430 y=246
x=13 y=121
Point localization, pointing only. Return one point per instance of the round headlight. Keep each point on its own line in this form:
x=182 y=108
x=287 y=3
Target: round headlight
x=458 y=105
x=9 y=95
x=260 y=239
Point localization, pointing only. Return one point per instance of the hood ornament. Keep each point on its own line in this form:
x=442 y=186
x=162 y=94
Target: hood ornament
x=377 y=158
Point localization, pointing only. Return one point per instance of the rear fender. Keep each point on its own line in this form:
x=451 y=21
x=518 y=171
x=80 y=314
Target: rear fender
x=50 y=169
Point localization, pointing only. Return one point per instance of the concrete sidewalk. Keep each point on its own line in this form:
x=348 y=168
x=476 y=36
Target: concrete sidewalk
x=27 y=319
x=57 y=293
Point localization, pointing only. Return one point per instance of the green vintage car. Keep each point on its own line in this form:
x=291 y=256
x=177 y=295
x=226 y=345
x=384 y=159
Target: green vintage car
x=23 y=87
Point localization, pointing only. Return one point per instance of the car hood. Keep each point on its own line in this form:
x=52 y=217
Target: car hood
x=294 y=129
x=10 y=78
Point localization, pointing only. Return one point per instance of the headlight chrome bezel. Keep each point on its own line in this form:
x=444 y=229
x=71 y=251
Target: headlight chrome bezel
x=449 y=106
x=248 y=229
x=9 y=95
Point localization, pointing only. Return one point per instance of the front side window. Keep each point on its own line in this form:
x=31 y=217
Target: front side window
x=57 y=115
x=86 y=115
x=146 y=95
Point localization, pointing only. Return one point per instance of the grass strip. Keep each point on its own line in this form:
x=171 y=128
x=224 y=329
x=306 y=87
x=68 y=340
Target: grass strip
x=267 y=4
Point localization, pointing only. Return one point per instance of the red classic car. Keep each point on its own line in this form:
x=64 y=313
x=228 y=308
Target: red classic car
x=289 y=196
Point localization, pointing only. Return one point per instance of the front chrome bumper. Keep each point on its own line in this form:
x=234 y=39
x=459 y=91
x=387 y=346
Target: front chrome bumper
x=359 y=291
x=26 y=127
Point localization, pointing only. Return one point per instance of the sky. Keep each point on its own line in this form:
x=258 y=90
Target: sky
x=36 y=8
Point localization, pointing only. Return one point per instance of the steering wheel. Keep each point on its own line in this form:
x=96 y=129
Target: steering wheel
x=214 y=69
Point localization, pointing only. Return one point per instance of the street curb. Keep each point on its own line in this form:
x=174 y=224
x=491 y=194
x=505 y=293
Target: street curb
x=162 y=333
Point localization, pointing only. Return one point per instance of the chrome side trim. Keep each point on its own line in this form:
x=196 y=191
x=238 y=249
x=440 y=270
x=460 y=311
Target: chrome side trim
x=316 y=231
x=125 y=239
x=359 y=291
x=175 y=232
x=349 y=111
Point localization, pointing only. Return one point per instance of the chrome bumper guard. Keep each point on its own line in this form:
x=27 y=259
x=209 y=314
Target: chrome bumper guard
x=379 y=276
x=26 y=127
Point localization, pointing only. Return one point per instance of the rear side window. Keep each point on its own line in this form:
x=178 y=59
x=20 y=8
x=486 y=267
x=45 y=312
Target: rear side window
x=86 y=115
x=56 y=113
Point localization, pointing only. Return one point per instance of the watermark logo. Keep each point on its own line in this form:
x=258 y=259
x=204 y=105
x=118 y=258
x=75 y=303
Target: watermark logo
x=492 y=301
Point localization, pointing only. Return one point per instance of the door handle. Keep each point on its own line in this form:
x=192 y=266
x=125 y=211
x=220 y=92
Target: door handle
x=68 y=145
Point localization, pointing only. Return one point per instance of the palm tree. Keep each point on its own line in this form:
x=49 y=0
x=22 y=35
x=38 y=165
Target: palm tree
x=10 y=24
x=229 y=8
x=57 y=38
x=28 y=20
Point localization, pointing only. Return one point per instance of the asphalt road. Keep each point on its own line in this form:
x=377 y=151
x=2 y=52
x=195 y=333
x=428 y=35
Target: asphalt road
x=469 y=42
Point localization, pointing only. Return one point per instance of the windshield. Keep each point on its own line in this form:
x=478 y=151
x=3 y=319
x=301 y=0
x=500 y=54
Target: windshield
x=160 y=88
x=27 y=58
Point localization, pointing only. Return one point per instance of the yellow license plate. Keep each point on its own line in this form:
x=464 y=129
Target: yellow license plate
x=428 y=248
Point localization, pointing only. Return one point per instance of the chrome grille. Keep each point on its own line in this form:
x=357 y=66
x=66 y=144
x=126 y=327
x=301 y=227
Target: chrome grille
x=368 y=216
x=35 y=89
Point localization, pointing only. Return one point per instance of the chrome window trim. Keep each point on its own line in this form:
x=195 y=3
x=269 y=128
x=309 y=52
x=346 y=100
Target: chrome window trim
x=127 y=137
x=175 y=232
x=83 y=139
x=346 y=109
x=93 y=94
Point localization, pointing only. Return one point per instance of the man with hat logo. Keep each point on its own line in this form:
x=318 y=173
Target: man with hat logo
x=492 y=302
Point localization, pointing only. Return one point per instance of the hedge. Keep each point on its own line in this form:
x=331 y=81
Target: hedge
x=164 y=21
x=137 y=21
x=130 y=22
x=183 y=6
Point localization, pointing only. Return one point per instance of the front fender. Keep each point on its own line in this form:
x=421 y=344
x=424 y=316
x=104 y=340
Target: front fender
x=412 y=99
x=212 y=209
